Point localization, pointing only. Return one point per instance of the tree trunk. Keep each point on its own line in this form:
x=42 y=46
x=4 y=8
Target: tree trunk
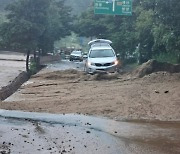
x=27 y=61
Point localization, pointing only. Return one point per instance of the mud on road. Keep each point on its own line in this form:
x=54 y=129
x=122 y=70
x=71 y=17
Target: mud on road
x=153 y=97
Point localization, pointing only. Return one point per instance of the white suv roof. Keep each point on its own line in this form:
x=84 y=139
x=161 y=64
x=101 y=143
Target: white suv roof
x=100 y=44
x=99 y=41
x=100 y=47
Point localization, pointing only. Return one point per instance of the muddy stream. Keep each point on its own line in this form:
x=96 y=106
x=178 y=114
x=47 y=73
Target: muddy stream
x=27 y=132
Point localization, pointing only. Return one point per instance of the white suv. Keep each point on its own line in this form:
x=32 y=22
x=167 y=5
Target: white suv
x=101 y=57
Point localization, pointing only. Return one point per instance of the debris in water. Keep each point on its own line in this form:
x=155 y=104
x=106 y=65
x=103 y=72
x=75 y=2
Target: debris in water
x=88 y=132
x=156 y=91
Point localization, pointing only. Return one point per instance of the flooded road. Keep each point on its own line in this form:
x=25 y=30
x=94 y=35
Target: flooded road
x=27 y=132
x=36 y=133
x=65 y=65
x=11 y=65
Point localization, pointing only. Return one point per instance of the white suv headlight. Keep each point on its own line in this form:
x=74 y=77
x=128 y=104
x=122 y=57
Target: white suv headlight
x=116 y=62
x=91 y=64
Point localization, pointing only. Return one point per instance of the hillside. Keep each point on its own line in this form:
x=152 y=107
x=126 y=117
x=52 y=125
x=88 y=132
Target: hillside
x=77 y=5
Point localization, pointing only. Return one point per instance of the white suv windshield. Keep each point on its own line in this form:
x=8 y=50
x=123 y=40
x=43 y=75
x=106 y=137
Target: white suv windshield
x=101 y=53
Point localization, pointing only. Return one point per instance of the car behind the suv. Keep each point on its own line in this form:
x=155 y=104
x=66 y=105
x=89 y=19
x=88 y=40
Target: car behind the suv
x=76 y=55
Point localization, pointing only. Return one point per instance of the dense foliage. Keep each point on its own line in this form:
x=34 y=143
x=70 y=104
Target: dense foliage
x=4 y=3
x=153 y=31
x=35 y=24
x=78 y=6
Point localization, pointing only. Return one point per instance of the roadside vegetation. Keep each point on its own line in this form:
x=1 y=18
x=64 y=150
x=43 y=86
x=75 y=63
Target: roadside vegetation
x=34 y=25
x=151 y=32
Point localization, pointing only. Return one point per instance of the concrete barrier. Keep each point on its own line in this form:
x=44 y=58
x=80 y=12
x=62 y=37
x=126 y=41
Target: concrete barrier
x=8 y=90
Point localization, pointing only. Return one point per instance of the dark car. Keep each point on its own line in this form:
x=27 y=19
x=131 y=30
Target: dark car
x=76 y=55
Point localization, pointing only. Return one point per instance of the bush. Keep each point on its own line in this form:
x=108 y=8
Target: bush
x=172 y=58
x=33 y=67
x=130 y=60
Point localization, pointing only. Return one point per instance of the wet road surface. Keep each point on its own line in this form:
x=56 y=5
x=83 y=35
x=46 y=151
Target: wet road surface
x=11 y=66
x=27 y=132
x=66 y=64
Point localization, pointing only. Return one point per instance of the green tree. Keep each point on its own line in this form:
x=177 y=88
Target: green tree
x=58 y=26
x=35 y=24
x=90 y=25
x=26 y=23
x=144 y=25
x=168 y=18
x=78 y=6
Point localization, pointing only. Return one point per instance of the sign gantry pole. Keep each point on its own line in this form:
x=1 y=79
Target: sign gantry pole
x=113 y=5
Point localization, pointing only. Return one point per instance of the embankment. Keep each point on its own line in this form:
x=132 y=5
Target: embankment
x=8 y=90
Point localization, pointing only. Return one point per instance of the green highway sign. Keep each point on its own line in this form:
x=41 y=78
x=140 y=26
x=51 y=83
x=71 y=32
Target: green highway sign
x=113 y=7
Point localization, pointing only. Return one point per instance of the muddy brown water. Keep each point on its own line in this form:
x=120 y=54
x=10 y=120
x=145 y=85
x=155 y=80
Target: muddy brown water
x=27 y=132
x=65 y=65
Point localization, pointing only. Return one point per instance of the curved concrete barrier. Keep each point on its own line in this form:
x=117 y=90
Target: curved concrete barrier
x=8 y=90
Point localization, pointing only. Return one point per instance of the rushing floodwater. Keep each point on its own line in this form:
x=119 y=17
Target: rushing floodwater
x=73 y=133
